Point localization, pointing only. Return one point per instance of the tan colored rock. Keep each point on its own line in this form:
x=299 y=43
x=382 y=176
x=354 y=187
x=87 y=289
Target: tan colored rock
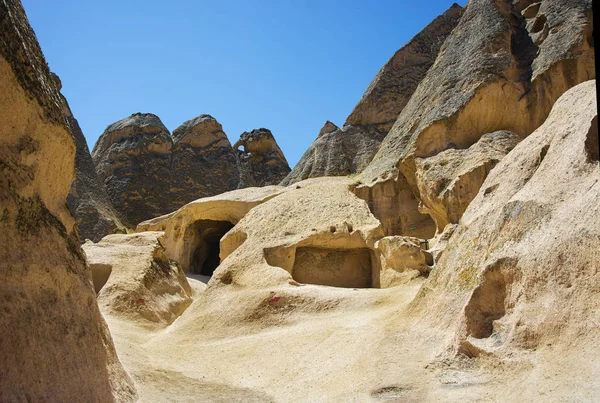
x=490 y=75
x=402 y=260
x=190 y=230
x=54 y=344
x=450 y=180
x=520 y=271
x=328 y=127
x=134 y=278
x=396 y=207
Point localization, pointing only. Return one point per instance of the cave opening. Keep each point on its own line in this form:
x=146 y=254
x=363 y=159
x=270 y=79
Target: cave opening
x=205 y=253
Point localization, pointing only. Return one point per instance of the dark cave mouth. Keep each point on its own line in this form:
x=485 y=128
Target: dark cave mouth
x=205 y=256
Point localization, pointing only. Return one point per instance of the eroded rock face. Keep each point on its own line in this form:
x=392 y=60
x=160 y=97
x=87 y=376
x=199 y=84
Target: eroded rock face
x=203 y=162
x=134 y=278
x=261 y=162
x=529 y=242
x=55 y=344
x=199 y=226
x=94 y=214
x=449 y=180
x=340 y=152
x=498 y=70
x=147 y=173
x=133 y=161
x=402 y=260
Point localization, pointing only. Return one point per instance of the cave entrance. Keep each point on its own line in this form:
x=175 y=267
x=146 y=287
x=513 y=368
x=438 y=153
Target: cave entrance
x=205 y=254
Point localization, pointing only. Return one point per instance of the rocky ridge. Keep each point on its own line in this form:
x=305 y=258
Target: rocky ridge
x=148 y=173
x=348 y=150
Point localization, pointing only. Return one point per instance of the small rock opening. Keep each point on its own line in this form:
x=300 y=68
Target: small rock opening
x=349 y=268
x=486 y=305
x=592 y=148
x=205 y=254
x=100 y=274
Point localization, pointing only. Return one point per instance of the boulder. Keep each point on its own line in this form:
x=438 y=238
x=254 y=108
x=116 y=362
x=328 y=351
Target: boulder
x=402 y=259
x=261 y=162
x=55 y=344
x=340 y=152
x=450 y=180
x=134 y=279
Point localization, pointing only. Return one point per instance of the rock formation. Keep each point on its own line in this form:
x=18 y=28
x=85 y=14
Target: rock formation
x=148 y=173
x=261 y=162
x=134 y=278
x=133 y=161
x=340 y=152
x=448 y=181
x=54 y=344
x=94 y=214
x=520 y=270
x=203 y=162
x=500 y=69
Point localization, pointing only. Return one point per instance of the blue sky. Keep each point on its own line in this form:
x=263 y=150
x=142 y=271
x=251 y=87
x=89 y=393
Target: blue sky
x=285 y=65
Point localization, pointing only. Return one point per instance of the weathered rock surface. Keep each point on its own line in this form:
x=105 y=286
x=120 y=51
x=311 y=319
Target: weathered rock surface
x=147 y=173
x=496 y=71
x=202 y=223
x=510 y=303
x=340 y=152
x=261 y=162
x=203 y=162
x=54 y=344
x=450 y=180
x=134 y=278
x=133 y=161
x=94 y=214
x=402 y=259
x=521 y=269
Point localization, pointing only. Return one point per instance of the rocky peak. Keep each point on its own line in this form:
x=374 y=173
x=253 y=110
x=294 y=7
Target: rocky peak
x=328 y=127
x=202 y=131
x=339 y=152
x=261 y=162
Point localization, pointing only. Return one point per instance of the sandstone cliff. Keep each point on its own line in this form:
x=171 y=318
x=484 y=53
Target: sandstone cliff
x=502 y=68
x=54 y=344
x=339 y=152
x=261 y=162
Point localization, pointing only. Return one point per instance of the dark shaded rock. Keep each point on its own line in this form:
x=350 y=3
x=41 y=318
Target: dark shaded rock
x=203 y=162
x=54 y=344
x=94 y=214
x=339 y=152
x=261 y=162
x=133 y=161
x=350 y=149
x=148 y=173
